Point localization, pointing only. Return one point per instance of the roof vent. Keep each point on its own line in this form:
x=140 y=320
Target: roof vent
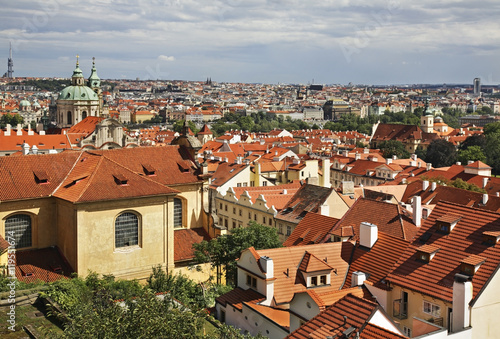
x=120 y=179
x=41 y=176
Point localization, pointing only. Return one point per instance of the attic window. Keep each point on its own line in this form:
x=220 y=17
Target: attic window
x=425 y=237
x=27 y=271
x=302 y=214
x=425 y=253
x=56 y=269
x=41 y=176
x=471 y=264
x=183 y=167
x=447 y=222
x=74 y=182
x=148 y=169
x=120 y=179
x=490 y=238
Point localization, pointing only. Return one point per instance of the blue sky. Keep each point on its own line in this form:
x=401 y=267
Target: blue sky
x=269 y=41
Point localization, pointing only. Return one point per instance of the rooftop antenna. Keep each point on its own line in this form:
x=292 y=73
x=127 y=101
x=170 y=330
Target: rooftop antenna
x=10 y=63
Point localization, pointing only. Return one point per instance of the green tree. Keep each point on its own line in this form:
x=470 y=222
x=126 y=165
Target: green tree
x=179 y=125
x=492 y=128
x=394 y=147
x=441 y=153
x=492 y=151
x=473 y=140
x=224 y=250
x=471 y=153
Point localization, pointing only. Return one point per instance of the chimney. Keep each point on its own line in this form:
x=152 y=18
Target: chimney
x=8 y=130
x=419 y=164
x=368 y=234
x=485 y=182
x=284 y=191
x=324 y=209
x=413 y=164
x=388 y=161
x=268 y=267
x=459 y=163
x=30 y=131
x=19 y=130
x=26 y=148
x=345 y=153
x=34 y=149
x=326 y=173
x=358 y=278
x=428 y=166
x=433 y=186
x=257 y=174
x=366 y=150
x=417 y=211
x=462 y=296
x=414 y=157
x=226 y=159
x=485 y=199
x=394 y=157
x=425 y=185
x=470 y=162
x=357 y=156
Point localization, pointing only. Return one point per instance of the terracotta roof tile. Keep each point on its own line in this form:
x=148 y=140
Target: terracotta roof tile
x=435 y=278
x=46 y=264
x=184 y=240
x=311 y=263
x=312 y=229
x=238 y=296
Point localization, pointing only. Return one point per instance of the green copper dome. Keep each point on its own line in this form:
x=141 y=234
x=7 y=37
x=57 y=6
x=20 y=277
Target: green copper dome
x=78 y=93
x=24 y=103
x=94 y=80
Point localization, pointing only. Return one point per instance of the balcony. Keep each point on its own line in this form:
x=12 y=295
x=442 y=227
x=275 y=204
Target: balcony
x=400 y=309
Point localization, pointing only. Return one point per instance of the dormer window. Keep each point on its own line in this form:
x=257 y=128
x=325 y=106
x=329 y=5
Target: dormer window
x=447 y=222
x=471 y=264
x=120 y=179
x=183 y=167
x=425 y=253
x=41 y=176
x=148 y=169
x=490 y=238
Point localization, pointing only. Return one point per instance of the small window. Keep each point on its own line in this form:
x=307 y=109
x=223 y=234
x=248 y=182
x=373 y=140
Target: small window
x=254 y=282
x=288 y=230
x=322 y=280
x=255 y=217
x=177 y=212
x=225 y=207
x=241 y=212
x=18 y=228
x=220 y=206
x=234 y=210
x=264 y=183
x=270 y=221
x=280 y=229
x=234 y=224
x=238 y=184
x=225 y=223
x=432 y=309
x=222 y=316
x=249 y=280
x=263 y=220
x=314 y=281
x=244 y=184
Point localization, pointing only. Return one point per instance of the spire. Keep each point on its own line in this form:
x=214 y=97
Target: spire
x=10 y=63
x=77 y=77
x=94 y=80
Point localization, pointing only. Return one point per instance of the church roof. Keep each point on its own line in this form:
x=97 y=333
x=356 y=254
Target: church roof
x=77 y=93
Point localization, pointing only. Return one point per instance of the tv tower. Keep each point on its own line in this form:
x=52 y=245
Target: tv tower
x=10 y=63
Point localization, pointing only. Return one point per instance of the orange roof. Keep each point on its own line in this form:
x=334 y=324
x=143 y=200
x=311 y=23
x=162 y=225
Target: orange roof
x=46 y=264
x=184 y=240
x=311 y=263
x=310 y=230
x=435 y=278
x=288 y=259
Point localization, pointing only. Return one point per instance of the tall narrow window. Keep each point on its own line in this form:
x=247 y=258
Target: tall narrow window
x=126 y=230
x=18 y=227
x=84 y=114
x=69 y=118
x=177 y=212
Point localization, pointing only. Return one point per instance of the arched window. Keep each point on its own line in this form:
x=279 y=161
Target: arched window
x=84 y=114
x=126 y=230
x=177 y=212
x=70 y=121
x=18 y=227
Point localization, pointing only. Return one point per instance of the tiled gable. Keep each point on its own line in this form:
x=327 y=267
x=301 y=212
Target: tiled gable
x=311 y=230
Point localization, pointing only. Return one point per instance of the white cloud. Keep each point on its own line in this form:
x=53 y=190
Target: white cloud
x=166 y=58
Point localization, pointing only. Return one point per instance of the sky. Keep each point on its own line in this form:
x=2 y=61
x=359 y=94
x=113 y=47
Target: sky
x=373 y=42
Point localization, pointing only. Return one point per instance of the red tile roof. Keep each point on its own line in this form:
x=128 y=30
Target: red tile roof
x=310 y=230
x=389 y=218
x=46 y=264
x=376 y=262
x=184 y=240
x=332 y=321
x=466 y=239
x=238 y=296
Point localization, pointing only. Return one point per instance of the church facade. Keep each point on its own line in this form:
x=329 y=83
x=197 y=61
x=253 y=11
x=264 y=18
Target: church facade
x=78 y=101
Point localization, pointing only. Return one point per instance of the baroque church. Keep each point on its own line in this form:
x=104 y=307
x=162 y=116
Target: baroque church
x=78 y=101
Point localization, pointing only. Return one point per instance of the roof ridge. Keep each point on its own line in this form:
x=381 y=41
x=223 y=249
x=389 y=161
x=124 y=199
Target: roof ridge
x=67 y=174
x=90 y=178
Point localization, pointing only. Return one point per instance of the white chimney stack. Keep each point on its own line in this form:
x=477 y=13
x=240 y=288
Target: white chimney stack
x=485 y=182
x=326 y=173
x=8 y=130
x=428 y=166
x=358 y=278
x=433 y=186
x=19 y=130
x=268 y=267
x=425 y=185
x=388 y=161
x=462 y=295
x=368 y=234
x=417 y=211
x=485 y=199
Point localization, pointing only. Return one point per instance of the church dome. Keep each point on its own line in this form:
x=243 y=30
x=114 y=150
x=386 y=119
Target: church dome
x=24 y=103
x=77 y=93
